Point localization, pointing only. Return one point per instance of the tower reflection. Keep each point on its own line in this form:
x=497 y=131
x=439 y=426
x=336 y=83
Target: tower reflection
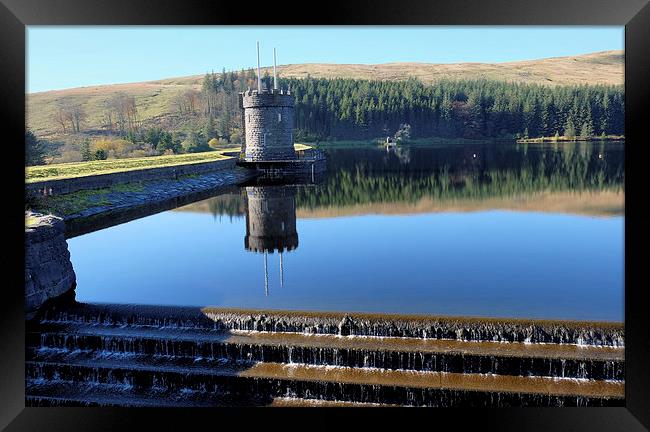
x=271 y=223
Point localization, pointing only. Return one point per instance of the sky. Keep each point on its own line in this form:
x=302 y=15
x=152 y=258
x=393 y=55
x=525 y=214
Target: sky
x=61 y=57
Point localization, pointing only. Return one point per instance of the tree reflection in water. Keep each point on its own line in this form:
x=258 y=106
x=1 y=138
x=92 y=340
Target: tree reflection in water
x=450 y=174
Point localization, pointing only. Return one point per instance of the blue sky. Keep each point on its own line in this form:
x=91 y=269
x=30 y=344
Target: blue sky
x=73 y=56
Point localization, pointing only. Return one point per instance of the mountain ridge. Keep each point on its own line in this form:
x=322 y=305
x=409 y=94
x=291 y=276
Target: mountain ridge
x=153 y=98
x=293 y=70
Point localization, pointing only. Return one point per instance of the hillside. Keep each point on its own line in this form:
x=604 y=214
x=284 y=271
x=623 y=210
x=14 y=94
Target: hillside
x=595 y=68
x=154 y=98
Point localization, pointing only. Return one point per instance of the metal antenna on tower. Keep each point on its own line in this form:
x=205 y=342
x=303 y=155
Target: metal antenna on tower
x=259 y=77
x=275 y=75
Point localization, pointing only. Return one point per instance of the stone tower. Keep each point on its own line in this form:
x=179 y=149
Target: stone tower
x=268 y=125
x=267 y=118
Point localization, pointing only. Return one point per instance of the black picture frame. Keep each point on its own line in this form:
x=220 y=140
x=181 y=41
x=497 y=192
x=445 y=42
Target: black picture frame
x=633 y=14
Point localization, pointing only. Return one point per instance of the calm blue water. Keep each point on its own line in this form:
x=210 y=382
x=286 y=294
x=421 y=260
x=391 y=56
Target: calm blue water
x=490 y=262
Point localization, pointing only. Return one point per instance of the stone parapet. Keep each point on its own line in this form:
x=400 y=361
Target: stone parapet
x=48 y=269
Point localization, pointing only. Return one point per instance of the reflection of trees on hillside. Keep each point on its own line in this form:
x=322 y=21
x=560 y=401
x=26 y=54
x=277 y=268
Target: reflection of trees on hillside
x=470 y=172
x=231 y=205
x=370 y=175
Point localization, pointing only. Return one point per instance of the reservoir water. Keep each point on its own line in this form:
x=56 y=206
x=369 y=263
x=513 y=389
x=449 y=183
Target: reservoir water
x=498 y=230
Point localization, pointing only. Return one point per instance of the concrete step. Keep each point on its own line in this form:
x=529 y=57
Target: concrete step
x=505 y=358
x=184 y=356
x=320 y=403
x=69 y=393
x=365 y=385
x=344 y=324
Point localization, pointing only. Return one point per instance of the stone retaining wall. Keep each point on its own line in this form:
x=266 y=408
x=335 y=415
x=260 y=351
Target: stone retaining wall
x=48 y=270
x=98 y=181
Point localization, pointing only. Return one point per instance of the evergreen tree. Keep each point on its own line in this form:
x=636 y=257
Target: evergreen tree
x=196 y=143
x=587 y=130
x=169 y=142
x=569 y=130
x=100 y=154
x=209 y=128
x=152 y=136
x=86 y=154
x=223 y=125
x=34 y=150
x=362 y=109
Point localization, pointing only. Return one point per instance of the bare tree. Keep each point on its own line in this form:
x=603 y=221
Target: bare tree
x=60 y=118
x=117 y=106
x=131 y=113
x=78 y=114
x=70 y=113
x=191 y=99
x=187 y=101
x=122 y=111
x=108 y=115
x=178 y=101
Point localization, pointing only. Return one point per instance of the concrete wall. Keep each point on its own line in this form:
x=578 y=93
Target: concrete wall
x=48 y=270
x=98 y=181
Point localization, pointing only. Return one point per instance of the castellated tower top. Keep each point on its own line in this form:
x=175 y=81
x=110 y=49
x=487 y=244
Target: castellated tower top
x=266 y=99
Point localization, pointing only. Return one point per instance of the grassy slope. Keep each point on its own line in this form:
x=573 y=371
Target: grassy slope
x=596 y=68
x=80 y=169
x=153 y=98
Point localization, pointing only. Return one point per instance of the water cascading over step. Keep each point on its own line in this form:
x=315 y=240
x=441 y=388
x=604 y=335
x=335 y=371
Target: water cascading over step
x=165 y=356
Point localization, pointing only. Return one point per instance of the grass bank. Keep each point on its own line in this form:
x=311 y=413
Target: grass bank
x=80 y=169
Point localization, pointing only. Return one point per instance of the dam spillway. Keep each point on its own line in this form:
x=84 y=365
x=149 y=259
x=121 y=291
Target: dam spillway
x=85 y=354
x=115 y=348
